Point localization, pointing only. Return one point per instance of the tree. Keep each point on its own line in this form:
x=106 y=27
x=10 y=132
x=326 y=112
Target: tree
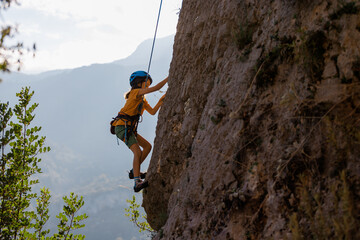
x=10 y=54
x=18 y=165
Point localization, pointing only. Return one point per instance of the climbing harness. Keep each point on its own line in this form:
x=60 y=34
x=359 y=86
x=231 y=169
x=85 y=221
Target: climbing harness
x=131 y=124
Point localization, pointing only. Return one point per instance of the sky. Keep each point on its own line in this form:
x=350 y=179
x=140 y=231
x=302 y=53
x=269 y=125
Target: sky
x=75 y=33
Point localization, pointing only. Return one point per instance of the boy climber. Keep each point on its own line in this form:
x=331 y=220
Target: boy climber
x=127 y=120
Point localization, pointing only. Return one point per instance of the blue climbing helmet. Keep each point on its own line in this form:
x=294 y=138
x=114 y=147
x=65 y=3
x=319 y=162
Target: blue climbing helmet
x=139 y=76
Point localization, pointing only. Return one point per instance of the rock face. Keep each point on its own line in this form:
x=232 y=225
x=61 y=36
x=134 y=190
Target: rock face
x=259 y=134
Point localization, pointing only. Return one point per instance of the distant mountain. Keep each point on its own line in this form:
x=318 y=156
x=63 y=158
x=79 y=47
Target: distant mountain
x=161 y=51
x=75 y=108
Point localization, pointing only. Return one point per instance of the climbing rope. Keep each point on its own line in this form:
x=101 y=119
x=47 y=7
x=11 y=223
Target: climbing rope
x=153 y=45
x=152 y=49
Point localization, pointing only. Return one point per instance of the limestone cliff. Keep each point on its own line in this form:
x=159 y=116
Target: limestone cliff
x=259 y=134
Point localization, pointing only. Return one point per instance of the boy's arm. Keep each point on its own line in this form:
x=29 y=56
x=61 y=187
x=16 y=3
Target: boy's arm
x=158 y=86
x=154 y=110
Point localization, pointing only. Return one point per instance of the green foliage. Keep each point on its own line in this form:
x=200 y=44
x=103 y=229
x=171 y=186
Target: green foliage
x=18 y=165
x=42 y=210
x=69 y=220
x=134 y=214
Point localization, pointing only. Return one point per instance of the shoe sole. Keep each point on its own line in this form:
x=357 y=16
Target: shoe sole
x=142 y=186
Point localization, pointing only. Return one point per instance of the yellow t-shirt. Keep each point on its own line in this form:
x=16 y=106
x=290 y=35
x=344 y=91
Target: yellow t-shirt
x=132 y=105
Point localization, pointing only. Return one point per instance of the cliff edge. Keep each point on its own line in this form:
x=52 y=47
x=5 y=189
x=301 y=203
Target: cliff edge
x=259 y=134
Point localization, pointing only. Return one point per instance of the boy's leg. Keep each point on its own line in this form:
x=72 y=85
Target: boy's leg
x=137 y=156
x=138 y=185
x=146 y=147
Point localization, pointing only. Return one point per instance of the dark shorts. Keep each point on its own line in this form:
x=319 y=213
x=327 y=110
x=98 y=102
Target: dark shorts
x=120 y=133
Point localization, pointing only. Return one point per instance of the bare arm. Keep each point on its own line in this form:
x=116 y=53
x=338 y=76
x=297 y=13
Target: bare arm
x=158 y=86
x=154 y=110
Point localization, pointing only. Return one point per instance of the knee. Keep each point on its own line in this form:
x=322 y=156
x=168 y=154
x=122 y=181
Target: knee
x=136 y=150
x=148 y=147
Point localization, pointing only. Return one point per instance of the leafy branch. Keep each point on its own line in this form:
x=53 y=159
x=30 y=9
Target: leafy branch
x=69 y=220
x=135 y=217
x=11 y=54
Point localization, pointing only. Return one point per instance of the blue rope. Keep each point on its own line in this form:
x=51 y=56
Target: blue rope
x=152 y=49
x=153 y=45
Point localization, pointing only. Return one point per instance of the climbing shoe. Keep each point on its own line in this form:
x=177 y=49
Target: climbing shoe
x=131 y=175
x=140 y=185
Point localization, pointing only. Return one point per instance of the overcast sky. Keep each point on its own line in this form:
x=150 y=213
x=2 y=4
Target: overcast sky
x=74 y=33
